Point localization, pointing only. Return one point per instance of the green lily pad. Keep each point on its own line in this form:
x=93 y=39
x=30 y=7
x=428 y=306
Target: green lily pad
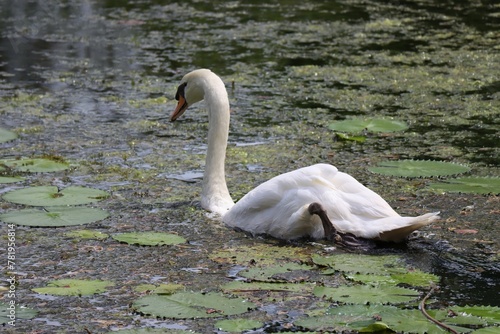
x=74 y=287
x=149 y=238
x=475 y=185
x=87 y=234
x=54 y=216
x=37 y=165
x=186 y=305
x=238 y=325
x=364 y=294
x=239 y=286
x=261 y=254
x=21 y=312
x=491 y=314
x=11 y=179
x=356 y=125
x=6 y=135
x=267 y=273
x=51 y=196
x=414 y=278
x=418 y=168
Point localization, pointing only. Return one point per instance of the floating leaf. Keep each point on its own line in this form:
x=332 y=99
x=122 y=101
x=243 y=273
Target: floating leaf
x=343 y=136
x=347 y=318
x=489 y=313
x=74 y=287
x=185 y=305
x=11 y=179
x=152 y=331
x=21 y=312
x=364 y=294
x=362 y=264
x=87 y=234
x=149 y=238
x=475 y=185
x=418 y=168
x=6 y=135
x=37 y=165
x=414 y=278
x=238 y=325
x=51 y=196
x=356 y=125
x=54 y=216
x=239 y=286
x=267 y=273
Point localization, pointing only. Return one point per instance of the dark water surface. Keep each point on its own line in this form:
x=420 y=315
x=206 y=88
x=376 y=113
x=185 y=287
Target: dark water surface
x=93 y=82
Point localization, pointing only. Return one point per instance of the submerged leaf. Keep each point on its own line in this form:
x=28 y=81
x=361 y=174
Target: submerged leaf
x=87 y=234
x=362 y=264
x=21 y=312
x=54 y=216
x=149 y=238
x=238 y=325
x=6 y=135
x=51 y=196
x=355 y=125
x=185 y=305
x=475 y=185
x=418 y=168
x=261 y=254
x=74 y=287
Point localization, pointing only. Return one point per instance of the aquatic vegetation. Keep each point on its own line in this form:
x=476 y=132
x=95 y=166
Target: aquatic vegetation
x=238 y=325
x=21 y=312
x=356 y=125
x=185 y=305
x=87 y=234
x=74 y=287
x=149 y=238
x=7 y=135
x=471 y=184
x=418 y=168
x=35 y=165
x=52 y=196
x=54 y=216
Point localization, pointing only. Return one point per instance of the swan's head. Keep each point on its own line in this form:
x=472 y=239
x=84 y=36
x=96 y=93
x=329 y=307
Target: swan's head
x=191 y=90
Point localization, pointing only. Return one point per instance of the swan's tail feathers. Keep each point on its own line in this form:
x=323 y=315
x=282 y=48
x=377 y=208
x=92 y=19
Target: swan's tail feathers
x=399 y=234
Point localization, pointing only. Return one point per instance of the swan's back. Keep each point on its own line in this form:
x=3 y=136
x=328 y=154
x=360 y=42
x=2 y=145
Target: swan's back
x=278 y=207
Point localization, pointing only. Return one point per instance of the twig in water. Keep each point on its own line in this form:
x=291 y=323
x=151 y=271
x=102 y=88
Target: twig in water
x=437 y=322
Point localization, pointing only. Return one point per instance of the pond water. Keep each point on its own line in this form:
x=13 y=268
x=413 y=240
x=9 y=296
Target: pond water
x=93 y=82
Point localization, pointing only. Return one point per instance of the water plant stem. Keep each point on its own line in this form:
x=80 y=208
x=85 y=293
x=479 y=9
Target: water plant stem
x=428 y=316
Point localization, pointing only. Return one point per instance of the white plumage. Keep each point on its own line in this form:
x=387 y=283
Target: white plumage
x=280 y=206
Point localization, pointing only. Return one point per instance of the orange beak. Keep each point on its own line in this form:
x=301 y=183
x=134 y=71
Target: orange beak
x=179 y=110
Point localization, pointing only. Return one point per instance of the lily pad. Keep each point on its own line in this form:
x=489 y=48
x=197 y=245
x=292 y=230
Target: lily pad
x=356 y=125
x=364 y=294
x=36 y=165
x=186 y=305
x=54 y=216
x=20 y=313
x=11 y=179
x=475 y=185
x=418 y=168
x=267 y=273
x=239 y=286
x=238 y=325
x=149 y=238
x=6 y=135
x=414 y=278
x=491 y=314
x=51 y=196
x=74 y=287
x=261 y=254
x=87 y=234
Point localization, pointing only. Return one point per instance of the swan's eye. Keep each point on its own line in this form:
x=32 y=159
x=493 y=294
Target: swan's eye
x=180 y=91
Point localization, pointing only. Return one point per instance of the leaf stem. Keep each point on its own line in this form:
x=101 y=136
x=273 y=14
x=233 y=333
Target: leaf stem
x=424 y=312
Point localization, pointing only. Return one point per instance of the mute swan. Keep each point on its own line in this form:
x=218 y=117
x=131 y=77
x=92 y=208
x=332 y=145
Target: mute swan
x=316 y=201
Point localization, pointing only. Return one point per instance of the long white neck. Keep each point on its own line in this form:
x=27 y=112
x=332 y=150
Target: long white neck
x=215 y=195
